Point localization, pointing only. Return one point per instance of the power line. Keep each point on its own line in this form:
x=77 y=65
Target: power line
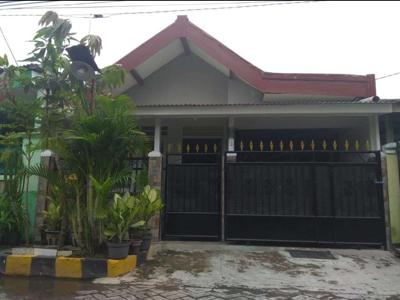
x=60 y=5
x=106 y=15
x=20 y=3
x=85 y=5
x=388 y=75
x=206 y=8
x=8 y=45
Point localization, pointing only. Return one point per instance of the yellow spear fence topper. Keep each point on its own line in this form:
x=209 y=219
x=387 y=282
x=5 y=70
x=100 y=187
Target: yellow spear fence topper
x=357 y=145
x=335 y=145
x=324 y=145
x=312 y=145
x=346 y=145
x=302 y=145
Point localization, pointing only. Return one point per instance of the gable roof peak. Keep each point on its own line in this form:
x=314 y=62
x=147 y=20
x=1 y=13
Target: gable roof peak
x=182 y=18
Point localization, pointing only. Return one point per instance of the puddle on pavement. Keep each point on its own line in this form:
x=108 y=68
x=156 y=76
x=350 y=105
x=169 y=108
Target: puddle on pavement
x=172 y=261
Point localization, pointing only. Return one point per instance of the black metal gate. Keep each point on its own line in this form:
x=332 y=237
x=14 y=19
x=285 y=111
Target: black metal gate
x=192 y=197
x=307 y=197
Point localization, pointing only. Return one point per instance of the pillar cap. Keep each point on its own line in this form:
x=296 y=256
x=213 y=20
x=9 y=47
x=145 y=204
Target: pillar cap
x=47 y=153
x=390 y=148
x=154 y=154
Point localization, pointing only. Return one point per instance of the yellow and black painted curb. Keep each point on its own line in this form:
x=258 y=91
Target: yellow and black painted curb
x=65 y=267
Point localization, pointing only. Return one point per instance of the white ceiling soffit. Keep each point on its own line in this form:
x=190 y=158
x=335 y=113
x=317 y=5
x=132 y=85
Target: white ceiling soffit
x=200 y=53
x=160 y=59
x=155 y=62
x=294 y=97
x=163 y=57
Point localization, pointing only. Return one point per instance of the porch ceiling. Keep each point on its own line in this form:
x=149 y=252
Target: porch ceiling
x=275 y=108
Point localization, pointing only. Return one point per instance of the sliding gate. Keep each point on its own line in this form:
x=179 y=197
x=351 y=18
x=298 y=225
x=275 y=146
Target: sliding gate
x=308 y=197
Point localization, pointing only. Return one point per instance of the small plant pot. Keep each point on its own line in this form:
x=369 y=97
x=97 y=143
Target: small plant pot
x=118 y=250
x=147 y=236
x=135 y=246
x=52 y=237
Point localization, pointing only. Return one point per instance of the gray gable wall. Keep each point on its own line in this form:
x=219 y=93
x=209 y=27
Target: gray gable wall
x=189 y=80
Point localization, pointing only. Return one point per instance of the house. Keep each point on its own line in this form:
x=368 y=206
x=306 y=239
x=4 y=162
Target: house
x=246 y=155
x=15 y=88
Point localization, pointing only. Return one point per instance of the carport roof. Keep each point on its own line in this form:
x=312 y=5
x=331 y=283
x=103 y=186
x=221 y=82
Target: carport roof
x=184 y=37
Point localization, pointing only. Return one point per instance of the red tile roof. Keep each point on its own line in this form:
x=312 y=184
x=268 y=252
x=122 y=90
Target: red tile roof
x=266 y=82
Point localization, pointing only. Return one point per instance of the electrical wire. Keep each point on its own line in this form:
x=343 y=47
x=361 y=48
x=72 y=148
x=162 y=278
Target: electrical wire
x=85 y=5
x=20 y=3
x=388 y=75
x=107 y=15
x=79 y=5
x=8 y=45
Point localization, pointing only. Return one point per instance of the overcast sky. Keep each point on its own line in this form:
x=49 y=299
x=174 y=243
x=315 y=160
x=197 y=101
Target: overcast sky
x=317 y=37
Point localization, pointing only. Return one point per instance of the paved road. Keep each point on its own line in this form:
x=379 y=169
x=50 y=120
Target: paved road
x=184 y=271
x=37 y=289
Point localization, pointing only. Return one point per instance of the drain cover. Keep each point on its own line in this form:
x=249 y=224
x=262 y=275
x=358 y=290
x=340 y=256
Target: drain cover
x=311 y=254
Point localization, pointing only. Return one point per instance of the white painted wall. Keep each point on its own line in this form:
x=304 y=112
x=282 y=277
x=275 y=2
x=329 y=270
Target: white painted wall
x=189 y=80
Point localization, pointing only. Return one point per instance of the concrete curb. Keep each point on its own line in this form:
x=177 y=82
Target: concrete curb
x=65 y=267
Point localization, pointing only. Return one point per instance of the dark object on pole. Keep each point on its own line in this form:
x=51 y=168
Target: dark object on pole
x=82 y=53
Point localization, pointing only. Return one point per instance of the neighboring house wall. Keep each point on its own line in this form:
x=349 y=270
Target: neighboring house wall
x=189 y=80
x=392 y=168
x=33 y=185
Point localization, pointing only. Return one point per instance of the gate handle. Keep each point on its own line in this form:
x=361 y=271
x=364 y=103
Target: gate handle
x=378 y=182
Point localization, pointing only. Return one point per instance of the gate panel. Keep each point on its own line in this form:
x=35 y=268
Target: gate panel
x=269 y=201
x=357 y=209
x=328 y=197
x=192 y=209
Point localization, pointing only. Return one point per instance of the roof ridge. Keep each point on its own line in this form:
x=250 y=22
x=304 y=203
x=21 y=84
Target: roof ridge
x=265 y=82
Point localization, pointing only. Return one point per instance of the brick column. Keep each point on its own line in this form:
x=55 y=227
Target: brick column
x=45 y=160
x=155 y=177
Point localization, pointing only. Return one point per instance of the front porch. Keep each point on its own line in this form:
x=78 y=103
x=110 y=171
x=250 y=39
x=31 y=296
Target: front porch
x=266 y=133
x=278 y=179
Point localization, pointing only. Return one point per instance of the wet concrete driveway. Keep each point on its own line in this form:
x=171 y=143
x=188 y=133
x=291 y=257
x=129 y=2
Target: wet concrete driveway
x=219 y=271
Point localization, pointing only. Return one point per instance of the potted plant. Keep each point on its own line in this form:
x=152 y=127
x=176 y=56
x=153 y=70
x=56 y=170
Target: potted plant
x=150 y=204
x=135 y=238
x=122 y=214
x=52 y=221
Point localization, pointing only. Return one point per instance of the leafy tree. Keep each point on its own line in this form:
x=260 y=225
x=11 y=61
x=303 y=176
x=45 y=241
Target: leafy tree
x=91 y=133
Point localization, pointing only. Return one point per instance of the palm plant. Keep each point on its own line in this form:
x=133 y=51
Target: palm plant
x=91 y=146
